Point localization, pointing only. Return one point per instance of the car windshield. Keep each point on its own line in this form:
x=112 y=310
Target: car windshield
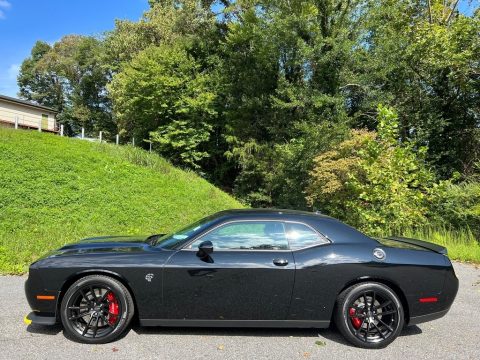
x=171 y=241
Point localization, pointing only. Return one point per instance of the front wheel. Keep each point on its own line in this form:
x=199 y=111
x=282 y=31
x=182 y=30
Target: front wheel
x=96 y=309
x=369 y=315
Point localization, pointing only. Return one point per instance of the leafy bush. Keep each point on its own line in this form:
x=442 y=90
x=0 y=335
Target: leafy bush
x=458 y=207
x=180 y=142
x=275 y=175
x=374 y=181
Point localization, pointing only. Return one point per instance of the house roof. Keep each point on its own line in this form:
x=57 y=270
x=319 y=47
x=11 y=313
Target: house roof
x=27 y=103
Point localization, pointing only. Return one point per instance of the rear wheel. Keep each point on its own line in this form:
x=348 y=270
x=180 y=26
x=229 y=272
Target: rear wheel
x=96 y=309
x=369 y=315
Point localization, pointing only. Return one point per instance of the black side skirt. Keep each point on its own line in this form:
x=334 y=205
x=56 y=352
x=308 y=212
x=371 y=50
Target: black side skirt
x=318 y=324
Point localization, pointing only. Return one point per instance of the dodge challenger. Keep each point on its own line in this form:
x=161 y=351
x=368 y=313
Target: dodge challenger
x=244 y=268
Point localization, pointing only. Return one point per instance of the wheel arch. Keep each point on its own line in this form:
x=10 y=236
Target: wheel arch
x=77 y=276
x=391 y=284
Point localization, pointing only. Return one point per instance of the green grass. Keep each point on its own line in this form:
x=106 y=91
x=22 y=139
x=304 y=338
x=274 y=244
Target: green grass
x=461 y=244
x=56 y=190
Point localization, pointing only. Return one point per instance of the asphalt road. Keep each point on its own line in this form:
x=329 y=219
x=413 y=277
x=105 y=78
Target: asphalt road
x=456 y=336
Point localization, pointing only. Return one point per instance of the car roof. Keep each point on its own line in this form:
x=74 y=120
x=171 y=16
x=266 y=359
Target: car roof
x=267 y=212
x=332 y=228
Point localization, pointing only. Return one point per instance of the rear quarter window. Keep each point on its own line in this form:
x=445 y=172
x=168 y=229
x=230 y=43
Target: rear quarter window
x=301 y=236
x=338 y=232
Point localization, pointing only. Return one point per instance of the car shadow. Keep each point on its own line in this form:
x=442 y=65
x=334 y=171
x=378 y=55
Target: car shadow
x=44 y=330
x=330 y=333
x=334 y=335
x=56 y=329
x=411 y=330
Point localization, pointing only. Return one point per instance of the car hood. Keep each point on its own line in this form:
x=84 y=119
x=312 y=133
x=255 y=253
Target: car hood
x=105 y=244
x=114 y=239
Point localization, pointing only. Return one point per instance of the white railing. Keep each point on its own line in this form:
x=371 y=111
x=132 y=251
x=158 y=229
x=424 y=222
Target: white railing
x=100 y=138
x=19 y=122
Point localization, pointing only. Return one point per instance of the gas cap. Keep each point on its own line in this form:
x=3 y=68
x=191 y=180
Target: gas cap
x=379 y=254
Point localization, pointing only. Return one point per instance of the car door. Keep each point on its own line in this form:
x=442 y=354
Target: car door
x=248 y=276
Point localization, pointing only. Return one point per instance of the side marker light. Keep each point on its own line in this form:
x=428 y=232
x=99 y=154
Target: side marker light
x=428 y=300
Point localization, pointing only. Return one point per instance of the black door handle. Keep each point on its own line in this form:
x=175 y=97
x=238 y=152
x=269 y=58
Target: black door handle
x=280 y=262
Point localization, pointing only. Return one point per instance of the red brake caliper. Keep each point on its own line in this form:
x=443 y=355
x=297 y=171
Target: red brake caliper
x=356 y=322
x=112 y=308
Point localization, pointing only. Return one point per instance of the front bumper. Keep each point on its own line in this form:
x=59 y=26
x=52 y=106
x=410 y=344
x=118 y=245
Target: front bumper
x=39 y=319
x=42 y=301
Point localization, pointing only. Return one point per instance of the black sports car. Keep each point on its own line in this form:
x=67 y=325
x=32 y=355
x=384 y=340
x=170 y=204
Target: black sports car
x=244 y=268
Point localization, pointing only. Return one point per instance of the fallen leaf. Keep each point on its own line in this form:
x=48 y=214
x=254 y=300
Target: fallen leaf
x=220 y=347
x=114 y=349
x=306 y=354
x=320 y=343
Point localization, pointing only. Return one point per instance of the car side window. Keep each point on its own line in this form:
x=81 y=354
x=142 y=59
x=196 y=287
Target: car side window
x=302 y=236
x=247 y=235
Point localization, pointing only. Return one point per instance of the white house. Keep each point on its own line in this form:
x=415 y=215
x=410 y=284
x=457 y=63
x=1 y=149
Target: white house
x=26 y=115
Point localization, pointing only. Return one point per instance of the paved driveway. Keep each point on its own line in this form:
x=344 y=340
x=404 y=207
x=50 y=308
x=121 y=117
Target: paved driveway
x=457 y=336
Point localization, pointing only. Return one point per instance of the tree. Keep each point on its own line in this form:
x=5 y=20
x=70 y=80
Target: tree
x=166 y=22
x=283 y=64
x=423 y=60
x=70 y=77
x=162 y=92
x=42 y=87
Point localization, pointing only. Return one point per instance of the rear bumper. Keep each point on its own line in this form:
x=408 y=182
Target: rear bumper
x=423 y=312
x=39 y=319
x=429 y=317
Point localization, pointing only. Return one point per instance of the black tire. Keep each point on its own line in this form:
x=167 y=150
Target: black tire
x=365 y=326
x=96 y=309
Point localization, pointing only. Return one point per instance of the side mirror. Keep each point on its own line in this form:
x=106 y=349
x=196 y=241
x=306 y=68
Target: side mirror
x=204 y=249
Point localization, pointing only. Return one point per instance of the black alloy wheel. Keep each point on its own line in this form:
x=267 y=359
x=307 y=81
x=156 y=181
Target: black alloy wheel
x=369 y=315
x=96 y=309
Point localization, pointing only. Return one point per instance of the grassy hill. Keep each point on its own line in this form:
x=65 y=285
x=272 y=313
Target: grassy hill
x=56 y=190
